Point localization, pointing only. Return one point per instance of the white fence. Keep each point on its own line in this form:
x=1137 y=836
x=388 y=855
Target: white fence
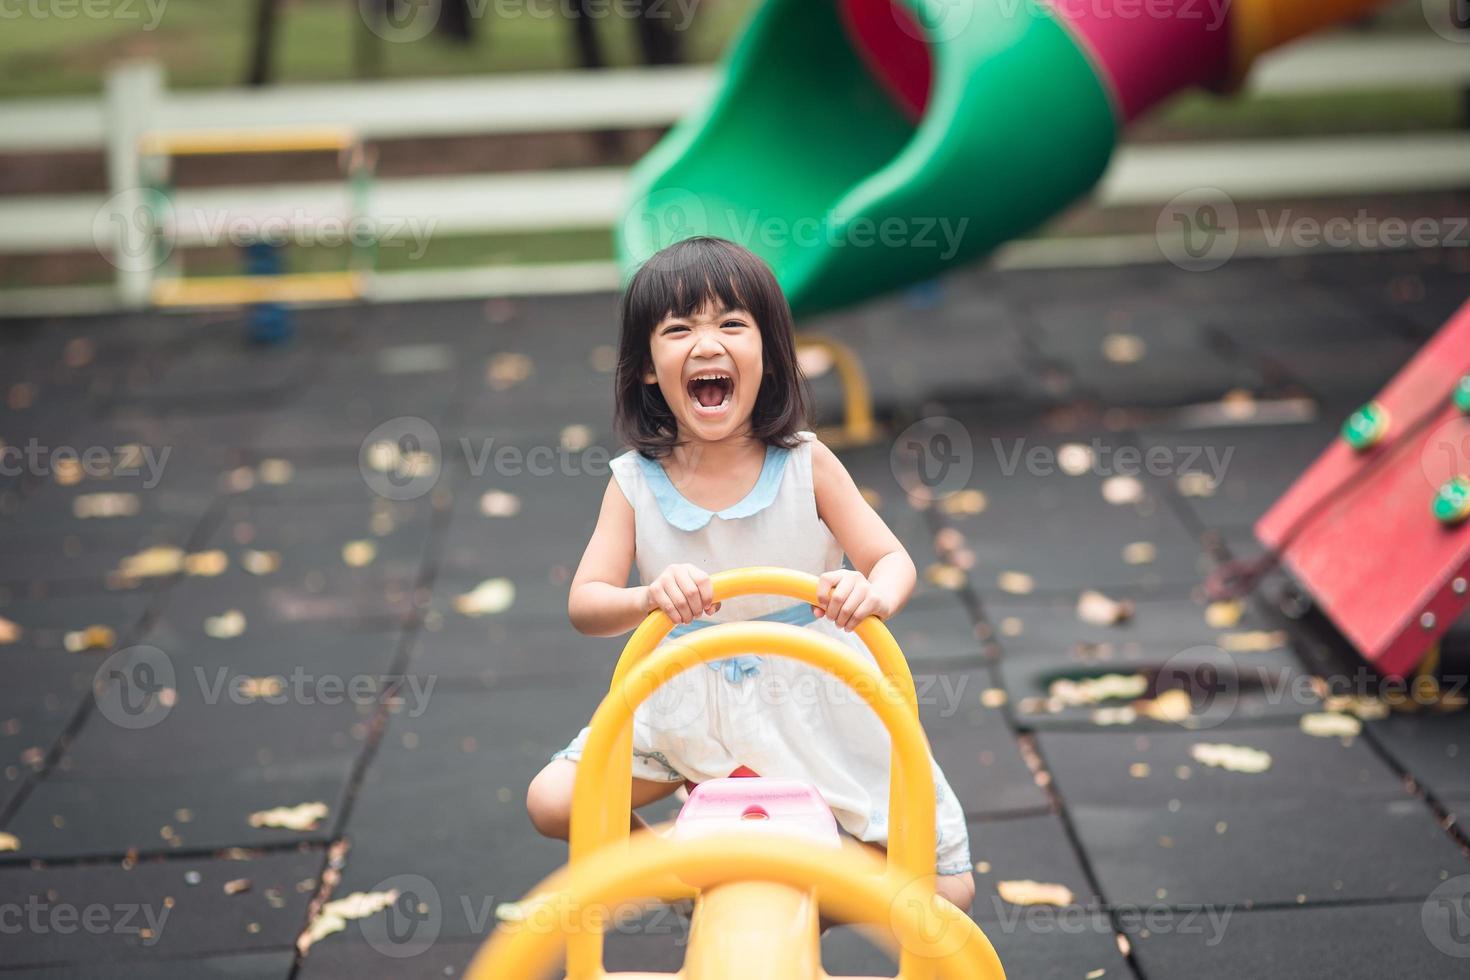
x=137 y=101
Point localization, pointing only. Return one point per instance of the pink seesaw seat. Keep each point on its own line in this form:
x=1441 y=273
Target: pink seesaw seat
x=785 y=807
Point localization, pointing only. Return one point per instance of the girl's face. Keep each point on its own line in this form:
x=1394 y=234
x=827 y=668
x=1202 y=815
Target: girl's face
x=708 y=366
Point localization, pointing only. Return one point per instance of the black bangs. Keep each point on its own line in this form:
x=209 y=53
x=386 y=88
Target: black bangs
x=679 y=281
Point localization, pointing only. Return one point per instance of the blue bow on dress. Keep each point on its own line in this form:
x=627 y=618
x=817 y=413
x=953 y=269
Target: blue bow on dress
x=737 y=669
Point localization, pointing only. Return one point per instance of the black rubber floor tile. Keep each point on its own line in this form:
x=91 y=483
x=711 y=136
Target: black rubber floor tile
x=275 y=965
x=1419 y=290
x=445 y=797
x=72 y=818
x=1148 y=353
x=34 y=711
x=1434 y=749
x=317 y=652
x=974 y=745
x=64 y=625
x=955 y=315
x=1266 y=853
x=160 y=909
x=275 y=603
x=1025 y=534
x=1229 y=477
x=1059 y=947
x=1149 y=770
x=1025 y=849
x=490 y=650
x=1338 y=352
x=82 y=559
x=937 y=630
x=287 y=728
x=1041 y=943
x=1355 y=943
x=350 y=956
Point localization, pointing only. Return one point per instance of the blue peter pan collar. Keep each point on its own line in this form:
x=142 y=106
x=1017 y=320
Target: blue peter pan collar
x=688 y=516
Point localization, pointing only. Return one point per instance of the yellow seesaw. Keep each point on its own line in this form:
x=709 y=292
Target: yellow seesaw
x=760 y=883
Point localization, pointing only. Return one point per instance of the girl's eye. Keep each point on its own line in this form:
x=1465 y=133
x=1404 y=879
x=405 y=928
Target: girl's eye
x=732 y=323
x=674 y=328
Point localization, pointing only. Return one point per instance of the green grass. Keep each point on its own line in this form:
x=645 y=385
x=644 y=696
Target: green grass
x=205 y=43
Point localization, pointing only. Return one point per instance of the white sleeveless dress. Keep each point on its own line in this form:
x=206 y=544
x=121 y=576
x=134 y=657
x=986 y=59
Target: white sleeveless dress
x=774 y=715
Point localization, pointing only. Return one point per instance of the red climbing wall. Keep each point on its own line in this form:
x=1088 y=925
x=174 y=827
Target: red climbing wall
x=1356 y=528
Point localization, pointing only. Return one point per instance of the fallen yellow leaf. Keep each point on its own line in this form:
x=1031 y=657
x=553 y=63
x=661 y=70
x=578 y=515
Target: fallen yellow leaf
x=1235 y=758
x=1016 y=583
x=491 y=596
x=10 y=632
x=302 y=816
x=1097 y=609
x=226 y=625
x=1328 y=724
x=1223 y=615
x=334 y=916
x=91 y=638
x=9 y=842
x=1091 y=690
x=1028 y=892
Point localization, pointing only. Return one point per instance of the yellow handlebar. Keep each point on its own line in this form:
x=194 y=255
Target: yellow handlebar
x=582 y=898
x=601 y=798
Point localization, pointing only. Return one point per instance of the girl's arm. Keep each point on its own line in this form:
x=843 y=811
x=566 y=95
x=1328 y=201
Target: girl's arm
x=601 y=603
x=874 y=549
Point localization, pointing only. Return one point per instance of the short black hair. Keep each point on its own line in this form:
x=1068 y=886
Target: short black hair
x=677 y=281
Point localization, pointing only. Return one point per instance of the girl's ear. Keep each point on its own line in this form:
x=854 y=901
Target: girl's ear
x=649 y=378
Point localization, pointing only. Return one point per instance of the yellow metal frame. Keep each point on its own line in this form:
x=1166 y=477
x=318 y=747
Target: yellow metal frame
x=220 y=291
x=852 y=884
x=858 y=427
x=301 y=287
x=607 y=866
x=219 y=142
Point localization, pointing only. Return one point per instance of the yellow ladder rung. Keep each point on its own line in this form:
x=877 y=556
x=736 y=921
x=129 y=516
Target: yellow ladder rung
x=223 y=141
x=314 y=287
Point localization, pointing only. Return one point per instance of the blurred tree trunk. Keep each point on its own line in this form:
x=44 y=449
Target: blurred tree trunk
x=658 y=36
x=584 y=36
x=262 y=52
x=456 y=21
x=368 y=20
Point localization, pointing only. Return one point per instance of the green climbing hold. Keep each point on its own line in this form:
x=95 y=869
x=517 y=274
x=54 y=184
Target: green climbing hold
x=1452 y=502
x=1462 y=394
x=1366 y=427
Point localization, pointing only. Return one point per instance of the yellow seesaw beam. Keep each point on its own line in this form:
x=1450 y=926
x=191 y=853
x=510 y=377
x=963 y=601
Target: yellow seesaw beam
x=305 y=287
x=600 y=796
x=217 y=142
x=852 y=885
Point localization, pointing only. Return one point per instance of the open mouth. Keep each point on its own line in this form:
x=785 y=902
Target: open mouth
x=710 y=392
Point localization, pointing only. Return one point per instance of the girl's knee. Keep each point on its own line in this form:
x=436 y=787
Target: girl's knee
x=958 y=889
x=549 y=799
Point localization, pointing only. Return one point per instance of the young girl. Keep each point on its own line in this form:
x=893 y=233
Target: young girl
x=723 y=475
